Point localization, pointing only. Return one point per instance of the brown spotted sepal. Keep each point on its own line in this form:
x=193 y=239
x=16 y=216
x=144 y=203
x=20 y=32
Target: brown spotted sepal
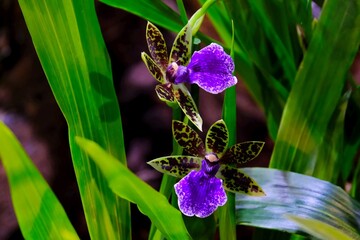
x=217 y=138
x=177 y=166
x=242 y=152
x=165 y=92
x=234 y=180
x=157 y=46
x=188 y=139
x=181 y=49
x=153 y=68
x=187 y=105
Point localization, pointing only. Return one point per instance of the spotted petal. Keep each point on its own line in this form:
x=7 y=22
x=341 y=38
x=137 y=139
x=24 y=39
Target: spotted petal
x=181 y=49
x=177 y=166
x=217 y=138
x=238 y=182
x=241 y=153
x=188 y=139
x=211 y=68
x=200 y=194
x=153 y=68
x=187 y=104
x=157 y=46
x=165 y=92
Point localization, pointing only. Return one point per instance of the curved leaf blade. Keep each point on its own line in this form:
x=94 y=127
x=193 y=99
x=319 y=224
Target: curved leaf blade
x=298 y=195
x=321 y=230
x=38 y=211
x=127 y=185
x=74 y=58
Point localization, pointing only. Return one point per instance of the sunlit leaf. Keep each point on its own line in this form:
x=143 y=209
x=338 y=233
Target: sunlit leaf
x=321 y=230
x=75 y=61
x=127 y=185
x=298 y=195
x=38 y=211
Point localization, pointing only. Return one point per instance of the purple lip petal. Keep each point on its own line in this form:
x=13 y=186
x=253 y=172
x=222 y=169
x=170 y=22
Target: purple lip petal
x=211 y=68
x=200 y=194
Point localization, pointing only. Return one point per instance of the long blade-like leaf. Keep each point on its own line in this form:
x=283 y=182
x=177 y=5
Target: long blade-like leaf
x=298 y=195
x=76 y=63
x=318 y=86
x=127 y=185
x=154 y=11
x=38 y=211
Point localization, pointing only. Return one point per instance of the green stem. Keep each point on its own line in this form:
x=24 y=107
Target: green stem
x=227 y=223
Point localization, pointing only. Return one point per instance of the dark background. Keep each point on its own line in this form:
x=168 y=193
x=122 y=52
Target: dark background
x=27 y=106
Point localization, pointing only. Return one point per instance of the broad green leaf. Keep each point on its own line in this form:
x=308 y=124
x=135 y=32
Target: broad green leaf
x=298 y=195
x=38 y=211
x=69 y=44
x=155 y=11
x=127 y=185
x=321 y=230
x=177 y=166
x=217 y=138
x=332 y=149
x=188 y=139
x=318 y=87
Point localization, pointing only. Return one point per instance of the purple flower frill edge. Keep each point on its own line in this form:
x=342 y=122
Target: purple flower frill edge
x=211 y=68
x=200 y=193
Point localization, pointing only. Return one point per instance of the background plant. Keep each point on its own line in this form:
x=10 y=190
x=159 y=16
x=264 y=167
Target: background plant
x=296 y=69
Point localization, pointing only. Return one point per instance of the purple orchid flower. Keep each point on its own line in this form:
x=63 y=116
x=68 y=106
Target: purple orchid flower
x=210 y=68
x=210 y=170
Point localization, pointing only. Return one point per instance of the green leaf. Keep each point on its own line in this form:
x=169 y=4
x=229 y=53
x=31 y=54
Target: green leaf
x=127 y=185
x=74 y=58
x=217 y=138
x=177 y=166
x=188 y=139
x=298 y=195
x=321 y=230
x=318 y=87
x=155 y=11
x=38 y=211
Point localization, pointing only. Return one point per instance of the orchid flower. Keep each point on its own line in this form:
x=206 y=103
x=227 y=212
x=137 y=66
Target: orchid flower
x=209 y=169
x=210 y=68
